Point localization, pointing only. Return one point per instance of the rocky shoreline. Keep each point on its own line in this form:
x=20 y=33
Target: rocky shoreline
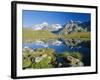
x=47 y=58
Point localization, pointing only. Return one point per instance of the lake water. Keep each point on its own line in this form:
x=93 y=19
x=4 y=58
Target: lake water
x=65 y=45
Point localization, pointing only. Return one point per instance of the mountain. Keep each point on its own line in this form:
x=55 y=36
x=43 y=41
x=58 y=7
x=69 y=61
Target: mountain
x=73 y=26
x=70 y=27
x=56 y=27
x=40 y=26
x=86 y=25
x=46 y=26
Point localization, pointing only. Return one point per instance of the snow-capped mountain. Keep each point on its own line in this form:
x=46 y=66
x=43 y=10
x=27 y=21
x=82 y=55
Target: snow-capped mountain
x=40 y=26
x=72 y=26
x=46 y=26
x=56 y=27
x=86 y=24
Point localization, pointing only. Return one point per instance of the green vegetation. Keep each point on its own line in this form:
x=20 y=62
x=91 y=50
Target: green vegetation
x=30 y=35
x=73 y=59
x=26 y=62
x=44 y=63
x=73 y=54
x=39 y=58
x=78 y=35
x=47 y=58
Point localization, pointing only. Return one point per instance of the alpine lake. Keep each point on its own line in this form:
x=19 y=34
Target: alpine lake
x=55 y=53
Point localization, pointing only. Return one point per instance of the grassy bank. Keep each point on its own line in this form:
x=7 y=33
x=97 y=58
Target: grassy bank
x=79 y=35
x=30 y=35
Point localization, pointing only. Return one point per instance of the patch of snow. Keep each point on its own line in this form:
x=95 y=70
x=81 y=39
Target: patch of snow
x=56 y=26
x=40 y=26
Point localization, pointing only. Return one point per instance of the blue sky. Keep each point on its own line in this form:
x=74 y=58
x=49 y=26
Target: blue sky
x=31 y=17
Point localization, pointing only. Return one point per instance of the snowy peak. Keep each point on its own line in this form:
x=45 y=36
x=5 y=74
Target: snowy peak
x=46 y=26
x=40 y=26
x=71 y=27
x=56 y=26
x=77 y=22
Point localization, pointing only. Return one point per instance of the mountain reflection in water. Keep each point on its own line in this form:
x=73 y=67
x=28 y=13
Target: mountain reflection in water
x=62 y=45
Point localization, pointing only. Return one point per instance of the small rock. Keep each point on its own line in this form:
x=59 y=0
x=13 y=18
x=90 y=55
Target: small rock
x=38 y=59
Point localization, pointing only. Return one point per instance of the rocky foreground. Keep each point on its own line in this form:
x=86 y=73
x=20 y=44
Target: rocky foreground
x=47 y=58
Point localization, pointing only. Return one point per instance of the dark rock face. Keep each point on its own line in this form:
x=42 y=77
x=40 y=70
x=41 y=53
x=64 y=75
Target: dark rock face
x=86 y=25
x=72 y=27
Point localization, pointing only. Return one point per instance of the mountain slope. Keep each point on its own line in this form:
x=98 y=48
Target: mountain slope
x=86 y=25
x=72 y=27
x=30 y=35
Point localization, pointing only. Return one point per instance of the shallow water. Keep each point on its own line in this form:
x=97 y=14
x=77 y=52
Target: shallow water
x=61 y=46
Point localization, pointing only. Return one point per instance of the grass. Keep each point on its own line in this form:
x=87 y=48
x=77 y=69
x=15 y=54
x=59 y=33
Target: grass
x=73 y=54
x=30 y=35
x=79 y=35
x=48 y=61
x=42 y=64
x=29 y=58
x=26 y=62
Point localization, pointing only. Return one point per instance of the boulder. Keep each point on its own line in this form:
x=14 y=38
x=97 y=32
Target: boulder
x=74 y=61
